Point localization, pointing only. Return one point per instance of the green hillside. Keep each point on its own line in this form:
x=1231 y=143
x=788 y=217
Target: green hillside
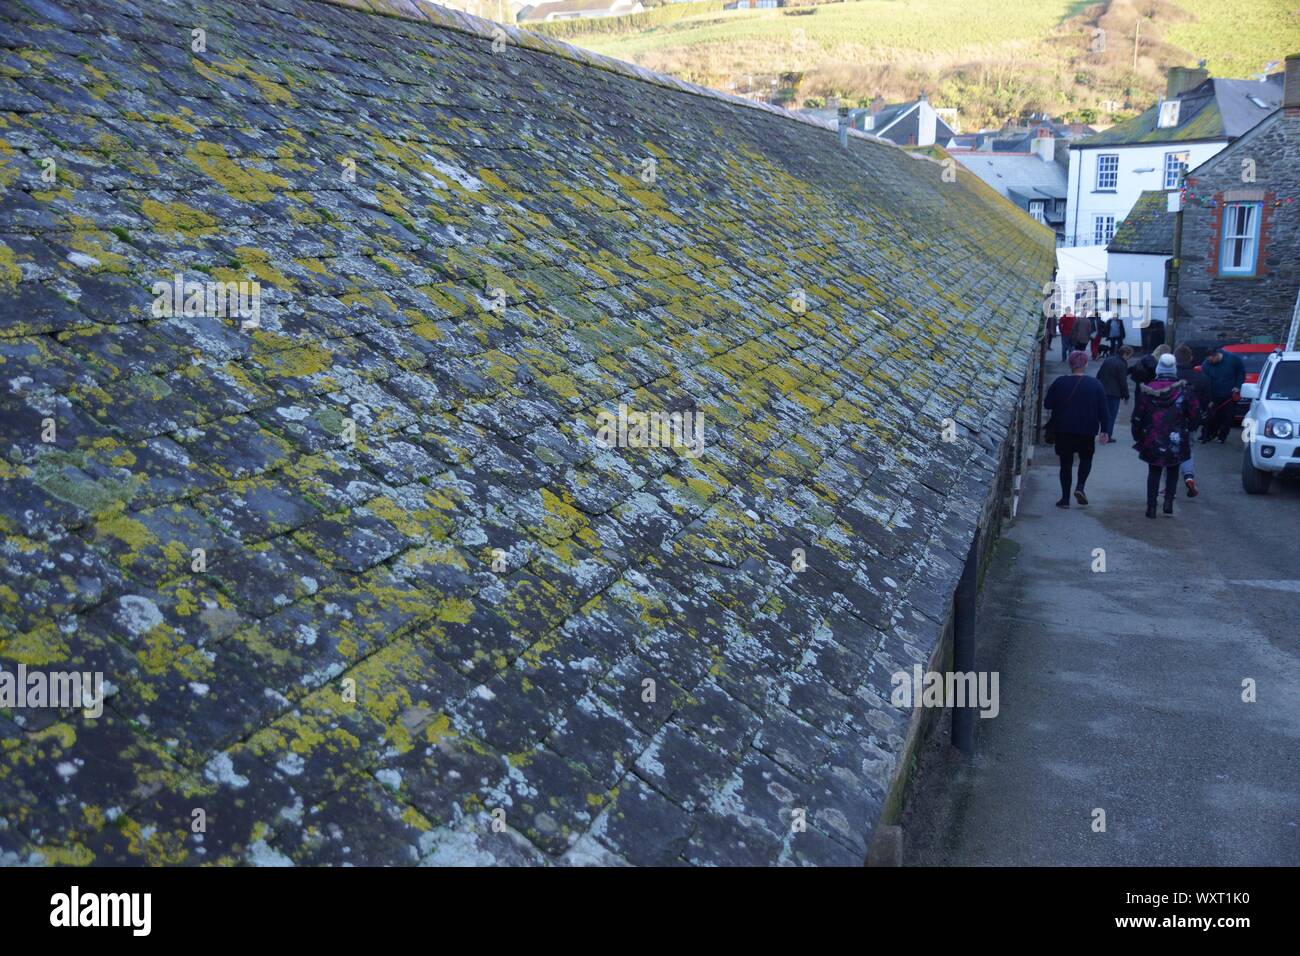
x=992 y=59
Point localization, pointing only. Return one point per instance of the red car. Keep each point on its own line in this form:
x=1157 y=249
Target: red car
x=1252 y=356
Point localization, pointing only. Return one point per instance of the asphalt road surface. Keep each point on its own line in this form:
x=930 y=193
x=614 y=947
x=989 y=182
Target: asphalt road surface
x=1121 y=690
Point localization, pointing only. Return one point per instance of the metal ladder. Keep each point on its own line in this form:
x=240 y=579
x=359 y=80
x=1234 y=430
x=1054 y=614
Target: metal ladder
x=1293 y=336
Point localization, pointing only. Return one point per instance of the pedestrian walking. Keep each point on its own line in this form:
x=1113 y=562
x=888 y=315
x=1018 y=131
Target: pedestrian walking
x=1078 y=406
x=1066 y=326
x=1113 y=376
x=1081 y=332
x=1164 y=413
x=1098 y=327
x=1200 y=386
x=1225 y=372
x=1115 y=333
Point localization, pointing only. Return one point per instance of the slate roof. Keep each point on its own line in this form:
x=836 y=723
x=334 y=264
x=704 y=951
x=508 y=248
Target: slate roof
x=1020 y=175
x=427 y=594
x=1148 y=229
x=1215 y=109
x=901 y=122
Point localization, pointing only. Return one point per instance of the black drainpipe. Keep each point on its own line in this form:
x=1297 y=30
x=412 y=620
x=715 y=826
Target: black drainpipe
x=963 y=646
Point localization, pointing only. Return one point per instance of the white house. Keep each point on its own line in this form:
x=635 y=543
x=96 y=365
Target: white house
x=578 y=10
x=908 y=124
x=1034 y=180
x=1137 y=268
x=914 y=123
x=1196 y=118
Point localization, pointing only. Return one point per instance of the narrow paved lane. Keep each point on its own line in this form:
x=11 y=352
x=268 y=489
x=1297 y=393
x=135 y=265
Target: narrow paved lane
x=1122 y=690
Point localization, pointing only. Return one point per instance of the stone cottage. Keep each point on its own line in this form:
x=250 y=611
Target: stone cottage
x=1240 y=264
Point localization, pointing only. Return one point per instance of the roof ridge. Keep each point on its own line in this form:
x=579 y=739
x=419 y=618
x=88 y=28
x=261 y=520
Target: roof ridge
x=425 y=11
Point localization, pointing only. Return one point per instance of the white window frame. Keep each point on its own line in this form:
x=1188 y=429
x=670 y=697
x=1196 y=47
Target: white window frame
x=1169 y=111
x=1107 y=172
x=1103 y=230
x=1175 y=163
x=1240 y=238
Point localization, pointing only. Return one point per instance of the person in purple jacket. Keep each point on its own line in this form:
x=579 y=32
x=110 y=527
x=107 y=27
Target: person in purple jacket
x=1164 y=414
x=1079 y=412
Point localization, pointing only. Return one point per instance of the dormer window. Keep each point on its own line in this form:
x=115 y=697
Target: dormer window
x=1168 y=114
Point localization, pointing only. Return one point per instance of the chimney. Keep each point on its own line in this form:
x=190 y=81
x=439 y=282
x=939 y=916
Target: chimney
x=1291 y=83
x=1180 y=79
x=833 y=103
x=1043 y=145
x=877 y=104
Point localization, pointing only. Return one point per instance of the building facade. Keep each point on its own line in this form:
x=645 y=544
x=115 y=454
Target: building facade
x=1240 y=264
x=1034 y=180
x=1137 y=262
x=1195 y=120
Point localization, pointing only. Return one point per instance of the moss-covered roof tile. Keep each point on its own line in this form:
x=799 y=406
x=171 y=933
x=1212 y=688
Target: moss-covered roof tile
x=365 y=573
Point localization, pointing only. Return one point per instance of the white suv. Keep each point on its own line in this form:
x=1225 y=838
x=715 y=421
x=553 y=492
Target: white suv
x=1271 y=429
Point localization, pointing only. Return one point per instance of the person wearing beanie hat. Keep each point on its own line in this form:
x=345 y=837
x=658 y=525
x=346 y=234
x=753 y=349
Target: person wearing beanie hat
x=1078 y=406
x=1163 y=418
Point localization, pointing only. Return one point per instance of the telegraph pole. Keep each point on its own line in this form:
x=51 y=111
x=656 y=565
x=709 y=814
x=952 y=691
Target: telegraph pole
x=1171 y=292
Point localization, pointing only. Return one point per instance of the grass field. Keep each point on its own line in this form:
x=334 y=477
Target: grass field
x=989 y=58
x=1232 y=35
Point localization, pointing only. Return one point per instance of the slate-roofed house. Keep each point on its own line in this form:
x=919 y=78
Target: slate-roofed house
x=915 y=123
x=1240 y=254
x=1138 y=257
x=1197 y=117
x=553 y=10
x=359 y=567
x=1033 y=180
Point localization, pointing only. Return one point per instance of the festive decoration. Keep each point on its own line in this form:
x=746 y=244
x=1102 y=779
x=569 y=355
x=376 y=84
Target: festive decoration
x=1209 y=202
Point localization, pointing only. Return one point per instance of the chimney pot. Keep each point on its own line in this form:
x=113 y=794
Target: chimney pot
x=1291 y=83
x=1180 y=79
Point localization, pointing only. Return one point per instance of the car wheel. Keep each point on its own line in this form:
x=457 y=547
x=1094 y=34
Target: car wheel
x=1254 y=480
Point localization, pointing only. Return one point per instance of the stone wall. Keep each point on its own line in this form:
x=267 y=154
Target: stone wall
x=1233 y=308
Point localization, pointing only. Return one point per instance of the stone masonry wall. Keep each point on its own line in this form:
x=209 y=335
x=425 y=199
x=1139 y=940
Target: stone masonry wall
x=1236 y=308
